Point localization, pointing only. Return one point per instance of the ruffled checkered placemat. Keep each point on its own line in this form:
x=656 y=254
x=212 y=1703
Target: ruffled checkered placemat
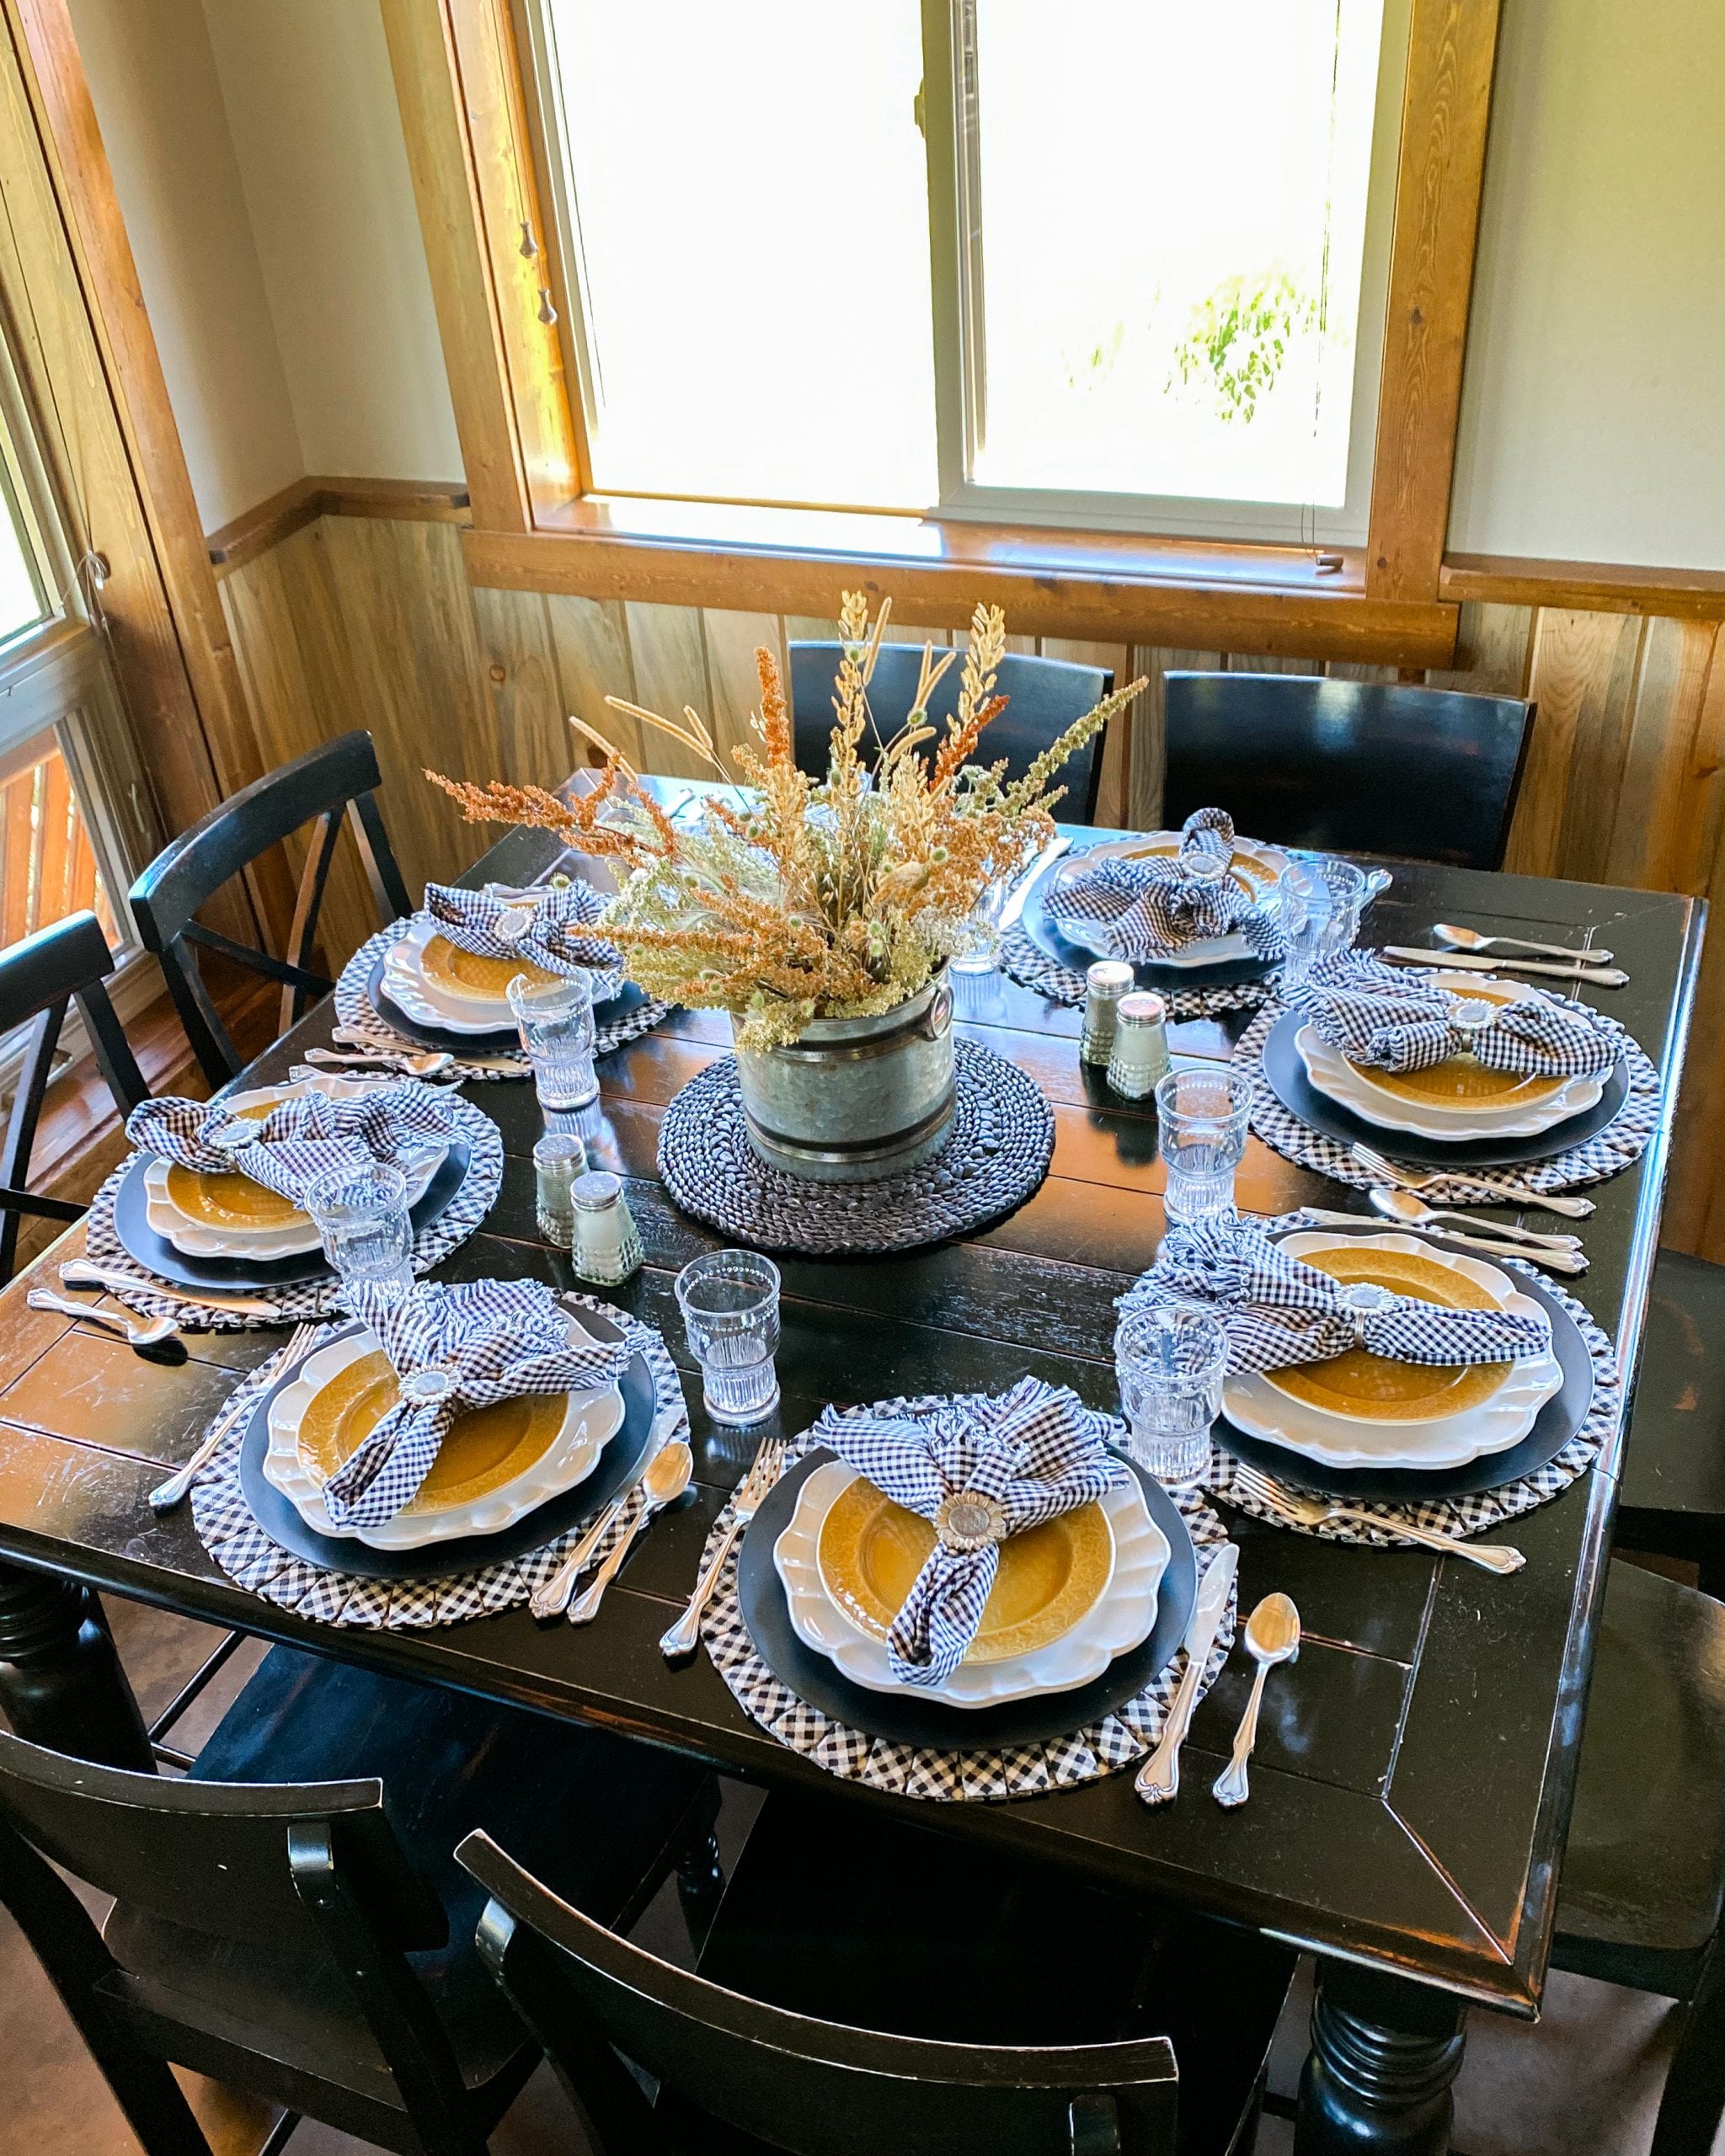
x=1622 y=1141
x=1001 y=1142
x=356 y=1013
x=1465 y=1515
x=311 y=1299
x=1119 y=1739
x=233 y=1537
x=1020 y=960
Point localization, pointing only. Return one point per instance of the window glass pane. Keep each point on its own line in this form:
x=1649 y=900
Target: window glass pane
x=20 y=604
x=1172 y=203
x=47 y=863
x=749 y=203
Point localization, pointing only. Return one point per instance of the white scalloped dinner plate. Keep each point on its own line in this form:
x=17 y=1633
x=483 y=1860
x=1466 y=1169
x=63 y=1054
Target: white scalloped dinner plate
x=1217 y=950
x=591 y=1419
x=434 y=1003
x=1119 y=1620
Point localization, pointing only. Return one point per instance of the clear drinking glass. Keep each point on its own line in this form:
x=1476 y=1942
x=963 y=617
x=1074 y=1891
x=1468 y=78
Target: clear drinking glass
x=1201 y=1118
x=729 y=1302
x=979 y=938
x=362 y=1215
x=1169 y=1363
x=1345 y=888
x=1303 y=911
x=555 y=1021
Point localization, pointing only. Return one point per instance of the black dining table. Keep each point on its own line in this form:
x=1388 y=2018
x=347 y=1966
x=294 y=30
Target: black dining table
x=1414 y=1772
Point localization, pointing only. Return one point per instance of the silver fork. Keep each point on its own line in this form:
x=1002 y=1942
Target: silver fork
x=1505 y=1187
x=1302 y=1511
x=685 y=1636
x=167 y=1494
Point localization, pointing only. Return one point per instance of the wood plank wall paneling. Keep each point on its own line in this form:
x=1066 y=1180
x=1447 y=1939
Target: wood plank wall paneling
x=369 y=621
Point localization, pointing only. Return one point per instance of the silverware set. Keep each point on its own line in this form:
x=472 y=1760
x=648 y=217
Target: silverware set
x=1505 y=1190
x=1466 y=950
x=685 y=1636
x=1300 y=1509
x=553 y=1599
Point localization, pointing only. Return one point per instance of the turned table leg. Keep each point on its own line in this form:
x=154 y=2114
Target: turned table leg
x=1384 y=2055
x=60 y=1682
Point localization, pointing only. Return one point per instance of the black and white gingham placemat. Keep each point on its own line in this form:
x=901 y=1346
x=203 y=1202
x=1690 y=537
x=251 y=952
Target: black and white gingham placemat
x=1466 y=1515
x=1622 y=1141
x=1120 y=1739
x=233 y=1537
x=311 y=1299
x=1002 y=1139
x=356 y=1013
x=1020 y=960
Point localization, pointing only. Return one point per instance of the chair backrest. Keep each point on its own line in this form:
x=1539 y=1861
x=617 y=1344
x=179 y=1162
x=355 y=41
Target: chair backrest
x=813 y=2087
x=39 y=977
x=339 y=778
x=1045 y=694
x=1348 y=766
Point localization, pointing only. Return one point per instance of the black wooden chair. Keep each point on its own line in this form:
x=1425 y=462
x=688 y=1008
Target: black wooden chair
x=340 y=777
x=1672 y=1498
x=40 y=979
x=1644 y=1882
x=869 y=1985
x=1348 y=766
x=1046 y=696
x=290 y=1919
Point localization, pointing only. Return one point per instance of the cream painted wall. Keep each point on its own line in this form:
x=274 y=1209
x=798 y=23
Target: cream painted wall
x=160 y=109
x=1593 y=424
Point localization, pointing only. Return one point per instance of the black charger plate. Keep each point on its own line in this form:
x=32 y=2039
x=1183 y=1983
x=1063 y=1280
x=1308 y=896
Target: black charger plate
x=131 y=1223
x=1555 y=1425
x=619 y=1462
x=1289 y=1082
x=904 y=1717
x=1162 y=980
x=498 y=1042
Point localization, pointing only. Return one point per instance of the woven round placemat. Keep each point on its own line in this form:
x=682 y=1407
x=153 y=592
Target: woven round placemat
x=1020 y=960
x=231 y=1536
x=1001 y=1142
x=1119 y=1739
x=356 y=1013
x=311 y=1299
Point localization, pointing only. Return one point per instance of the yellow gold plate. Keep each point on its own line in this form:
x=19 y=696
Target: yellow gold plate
x=1459 y=1080
x=465 y=973
x=1371 y=1388
x=484 y=1448
x=1049 y=1577
x=231 y=1200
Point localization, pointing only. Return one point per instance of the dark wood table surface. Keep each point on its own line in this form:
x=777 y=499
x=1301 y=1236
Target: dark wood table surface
x=1413 y=1774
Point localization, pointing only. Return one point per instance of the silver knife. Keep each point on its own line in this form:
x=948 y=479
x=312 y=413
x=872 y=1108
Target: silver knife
x=85 y=1273
x=1468 y=962
x=1015 y=904
x=1159 y=1777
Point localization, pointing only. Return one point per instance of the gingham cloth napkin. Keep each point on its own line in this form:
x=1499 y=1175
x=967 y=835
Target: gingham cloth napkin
x=299 y=1140
x=1142 y=910
x=1390 y=1020
x=981 y=1470
x=1276 y=1310
x=451 y=1349
x=545 y=926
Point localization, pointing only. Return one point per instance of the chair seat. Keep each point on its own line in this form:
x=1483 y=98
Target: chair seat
x=1673 y=1476
x=604 y=1817
x=836 y=1911
x=1644 y=1871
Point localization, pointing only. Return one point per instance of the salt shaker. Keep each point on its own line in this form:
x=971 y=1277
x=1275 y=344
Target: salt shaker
x=1107 y=981
x=1140 y=1051
x=607 y=1244
x=559 y=1158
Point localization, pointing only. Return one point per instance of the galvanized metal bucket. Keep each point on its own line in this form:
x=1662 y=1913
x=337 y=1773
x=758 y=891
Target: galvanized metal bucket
x=855 y=1098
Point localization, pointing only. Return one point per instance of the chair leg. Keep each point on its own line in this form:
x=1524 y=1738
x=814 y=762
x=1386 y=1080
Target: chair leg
x=1694 y=2101
x=700 y=1883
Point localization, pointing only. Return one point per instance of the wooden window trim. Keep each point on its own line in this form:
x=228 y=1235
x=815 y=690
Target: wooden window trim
x=536 y=524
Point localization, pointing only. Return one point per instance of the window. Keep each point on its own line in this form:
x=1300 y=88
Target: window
x=915 y=256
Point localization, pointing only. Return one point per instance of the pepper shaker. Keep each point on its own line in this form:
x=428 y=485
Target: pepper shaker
x=607 y=1244
x=559 y=1159
x=1139 y=1057
x=1105 y=983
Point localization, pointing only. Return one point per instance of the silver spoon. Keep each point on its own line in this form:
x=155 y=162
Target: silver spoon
x=1272 y=1635
x=431 y=1064
x=151 y=1334
x=1403 y=1205
x=669 y=1474
x=1470 y=939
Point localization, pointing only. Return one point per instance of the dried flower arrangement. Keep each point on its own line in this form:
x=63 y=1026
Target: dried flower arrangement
x=802 y=898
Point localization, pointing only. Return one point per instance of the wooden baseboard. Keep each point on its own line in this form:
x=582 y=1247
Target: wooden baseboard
x=259 y=529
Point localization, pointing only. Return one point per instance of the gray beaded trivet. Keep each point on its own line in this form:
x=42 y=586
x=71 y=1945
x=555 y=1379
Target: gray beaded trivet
x=233 y=1537
x=1002 y=1139
x=1120 y=1739
x=309 y=1298
x=1020 y=960
x=356 y=1013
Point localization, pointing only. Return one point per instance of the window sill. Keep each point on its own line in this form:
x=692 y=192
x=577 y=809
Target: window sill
x=1111 y=587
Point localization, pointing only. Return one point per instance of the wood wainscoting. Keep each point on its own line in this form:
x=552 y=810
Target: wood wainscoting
x=369 y=620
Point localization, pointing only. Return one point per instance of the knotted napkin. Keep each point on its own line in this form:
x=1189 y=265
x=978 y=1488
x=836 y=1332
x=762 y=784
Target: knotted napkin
x=545 y=926
x=1143 y=910
x=980 y=1470
x=453 y=1349
x=1276 y=1310
x=1390 y=1020
x=299 y=1140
